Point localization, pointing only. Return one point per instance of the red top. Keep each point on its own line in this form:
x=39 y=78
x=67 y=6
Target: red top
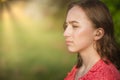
x=100 y=71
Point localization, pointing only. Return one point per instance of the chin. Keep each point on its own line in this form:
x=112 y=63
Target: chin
x=72 y=50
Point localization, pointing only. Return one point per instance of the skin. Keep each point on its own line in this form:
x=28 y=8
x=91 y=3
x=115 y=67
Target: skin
x=80 y=36
x=79 y=33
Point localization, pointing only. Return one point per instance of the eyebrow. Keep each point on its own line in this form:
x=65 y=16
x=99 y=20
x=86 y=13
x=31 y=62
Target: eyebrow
x=71 y=22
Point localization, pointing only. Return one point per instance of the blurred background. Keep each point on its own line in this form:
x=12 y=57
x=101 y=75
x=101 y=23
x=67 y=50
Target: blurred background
x=32 y=45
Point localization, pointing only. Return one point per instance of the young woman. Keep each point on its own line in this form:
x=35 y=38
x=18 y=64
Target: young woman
x=89 y=32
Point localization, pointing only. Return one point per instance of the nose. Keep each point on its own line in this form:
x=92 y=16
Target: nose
x=68 y=31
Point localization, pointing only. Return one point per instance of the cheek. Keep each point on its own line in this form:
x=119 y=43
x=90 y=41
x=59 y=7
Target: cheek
x=83 y=37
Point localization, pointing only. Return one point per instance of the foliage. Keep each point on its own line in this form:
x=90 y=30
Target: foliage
x=44 y=55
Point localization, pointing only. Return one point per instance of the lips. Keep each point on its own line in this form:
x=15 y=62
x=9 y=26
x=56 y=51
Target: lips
x=68 y=42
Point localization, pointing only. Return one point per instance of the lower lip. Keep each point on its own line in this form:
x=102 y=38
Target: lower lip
x=68 y=42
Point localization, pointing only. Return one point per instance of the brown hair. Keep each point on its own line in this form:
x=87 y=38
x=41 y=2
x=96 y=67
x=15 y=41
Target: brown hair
x=100 y=16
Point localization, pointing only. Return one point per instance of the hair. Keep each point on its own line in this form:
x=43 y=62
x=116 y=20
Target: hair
x=99 y=15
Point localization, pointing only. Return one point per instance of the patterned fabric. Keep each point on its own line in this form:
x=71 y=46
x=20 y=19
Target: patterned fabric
x=100 y=71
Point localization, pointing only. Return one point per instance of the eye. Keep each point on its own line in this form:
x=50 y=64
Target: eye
x=75 y=26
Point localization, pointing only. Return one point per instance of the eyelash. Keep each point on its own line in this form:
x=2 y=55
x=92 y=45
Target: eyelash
x=75 y=26
x=65 y=26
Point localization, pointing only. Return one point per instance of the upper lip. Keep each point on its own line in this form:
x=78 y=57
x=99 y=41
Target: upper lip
x=68 y=41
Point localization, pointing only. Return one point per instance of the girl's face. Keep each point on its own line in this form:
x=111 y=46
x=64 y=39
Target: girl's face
x=79 y=30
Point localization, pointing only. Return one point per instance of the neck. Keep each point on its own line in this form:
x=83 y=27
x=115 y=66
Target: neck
x=89 y=57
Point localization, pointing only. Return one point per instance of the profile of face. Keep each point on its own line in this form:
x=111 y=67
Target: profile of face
x=80 y=33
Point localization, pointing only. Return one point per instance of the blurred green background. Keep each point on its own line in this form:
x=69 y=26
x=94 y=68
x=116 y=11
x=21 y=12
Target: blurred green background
x=32 y=45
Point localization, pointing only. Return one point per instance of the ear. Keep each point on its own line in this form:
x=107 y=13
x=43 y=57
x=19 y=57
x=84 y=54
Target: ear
x=99 y=33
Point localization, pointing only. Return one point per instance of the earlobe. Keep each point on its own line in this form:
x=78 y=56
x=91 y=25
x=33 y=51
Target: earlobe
x=99 y=33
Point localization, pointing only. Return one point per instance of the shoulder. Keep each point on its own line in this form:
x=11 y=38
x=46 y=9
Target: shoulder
x=102 y=71
x=71 y=74
x=106 y=72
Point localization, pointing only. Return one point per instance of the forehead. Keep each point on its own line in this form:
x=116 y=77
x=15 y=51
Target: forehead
x=76 y=13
